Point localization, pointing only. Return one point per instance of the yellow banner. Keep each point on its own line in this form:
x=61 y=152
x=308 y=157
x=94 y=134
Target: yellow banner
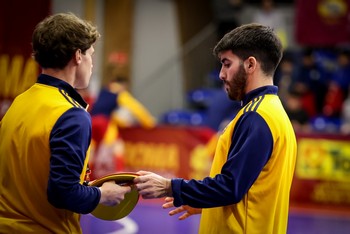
x=331 y=192
x=323 y=159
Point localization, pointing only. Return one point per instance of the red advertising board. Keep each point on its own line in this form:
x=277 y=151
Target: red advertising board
x=184 y=152
x=18 y=71
x=322 y=22
x=322 y=173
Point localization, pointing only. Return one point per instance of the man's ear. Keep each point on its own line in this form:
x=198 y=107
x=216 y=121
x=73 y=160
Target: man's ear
x=250 y=64
x=77 y=56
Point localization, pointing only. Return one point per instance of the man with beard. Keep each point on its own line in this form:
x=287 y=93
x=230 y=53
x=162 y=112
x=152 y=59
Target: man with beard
x=250 y=179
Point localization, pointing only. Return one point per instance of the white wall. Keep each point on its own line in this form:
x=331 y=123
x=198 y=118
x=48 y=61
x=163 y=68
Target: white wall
x=155 y=52
x=156 y=69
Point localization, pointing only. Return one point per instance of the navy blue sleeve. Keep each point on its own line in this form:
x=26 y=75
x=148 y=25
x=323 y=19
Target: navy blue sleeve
x=105 y=103
x=251 y=148
x=69 y=142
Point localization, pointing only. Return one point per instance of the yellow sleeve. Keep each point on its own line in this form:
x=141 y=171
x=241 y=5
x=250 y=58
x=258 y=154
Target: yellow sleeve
x=141 y=114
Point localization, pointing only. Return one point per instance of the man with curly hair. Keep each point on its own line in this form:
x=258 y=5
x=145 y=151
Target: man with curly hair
x=45 y=137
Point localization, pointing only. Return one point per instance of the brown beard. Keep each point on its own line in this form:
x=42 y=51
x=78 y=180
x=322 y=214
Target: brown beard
x=236 y=90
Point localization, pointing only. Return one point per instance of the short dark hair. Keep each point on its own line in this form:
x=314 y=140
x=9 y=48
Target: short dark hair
x=59 y=36
x=253 y=40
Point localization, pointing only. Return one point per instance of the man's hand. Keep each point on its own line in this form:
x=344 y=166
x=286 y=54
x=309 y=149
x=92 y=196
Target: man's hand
x=112 y=193
x=188 y=211
x=151 y=185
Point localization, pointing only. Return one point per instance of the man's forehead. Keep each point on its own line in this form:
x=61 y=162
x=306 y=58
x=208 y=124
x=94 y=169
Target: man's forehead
x=227 y=54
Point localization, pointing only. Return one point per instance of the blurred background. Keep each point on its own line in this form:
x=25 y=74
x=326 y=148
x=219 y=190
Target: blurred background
x=170 y=105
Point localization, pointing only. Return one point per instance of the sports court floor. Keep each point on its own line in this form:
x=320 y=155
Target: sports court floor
x=149 y=217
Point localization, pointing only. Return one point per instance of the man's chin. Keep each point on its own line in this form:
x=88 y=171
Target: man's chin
x=232 y=96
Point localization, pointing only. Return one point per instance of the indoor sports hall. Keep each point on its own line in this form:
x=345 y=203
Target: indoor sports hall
x=174 y=107
x=150 y=217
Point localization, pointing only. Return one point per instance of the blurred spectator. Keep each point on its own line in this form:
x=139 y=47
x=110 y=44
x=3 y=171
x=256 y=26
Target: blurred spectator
x=114 y=107
x=337 y=100
x=297 y=115
x=114 y=101
x=285 y=75
x=333 y=101
x=312 y=81
x=341 y=75
x=345 y=115
x=268 y=14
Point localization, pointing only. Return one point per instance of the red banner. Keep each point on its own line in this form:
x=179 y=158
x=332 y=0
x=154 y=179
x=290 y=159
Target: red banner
x=322 y=172
x=322 y=22
x=18 y=71
x=172 y=151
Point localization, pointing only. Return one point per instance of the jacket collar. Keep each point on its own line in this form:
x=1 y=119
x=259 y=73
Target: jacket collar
x=62 y=86
x=271 y=89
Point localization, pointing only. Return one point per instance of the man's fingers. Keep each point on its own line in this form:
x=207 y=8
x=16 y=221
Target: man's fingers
x=168 y=205
x=145 y=192
x=184 y=216
x=142 y=178
x=176 y=211
x=141 y=186
x=141 y=173
x=138 y=180
x=169 y=199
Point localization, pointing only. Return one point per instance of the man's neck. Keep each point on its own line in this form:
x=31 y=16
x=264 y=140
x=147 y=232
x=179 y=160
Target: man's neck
x=61 y=74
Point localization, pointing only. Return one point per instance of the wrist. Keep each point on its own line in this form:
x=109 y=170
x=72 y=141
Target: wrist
x=168 y=188
x=101 y=196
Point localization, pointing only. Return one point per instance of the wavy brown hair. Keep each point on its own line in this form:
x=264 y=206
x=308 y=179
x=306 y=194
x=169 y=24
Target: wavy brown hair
x=253 y=40
x=59 y=36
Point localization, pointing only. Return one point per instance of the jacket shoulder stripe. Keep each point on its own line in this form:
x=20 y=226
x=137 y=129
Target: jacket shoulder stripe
x=258 y=102
x=69 y=99
x=254 y=104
